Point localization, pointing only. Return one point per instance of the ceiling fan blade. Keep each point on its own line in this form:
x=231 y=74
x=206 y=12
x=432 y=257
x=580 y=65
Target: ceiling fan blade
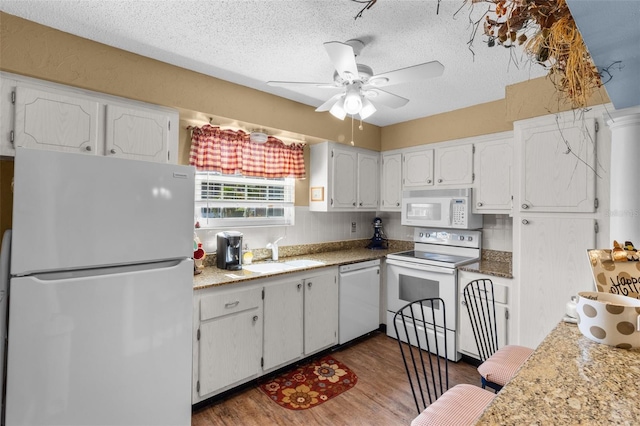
x=302 y=84
x=328 y=104
x=405 y=75
x=343 y=59
x=379 y=96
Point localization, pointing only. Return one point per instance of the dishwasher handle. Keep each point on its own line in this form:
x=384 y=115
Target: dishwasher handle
x=359 y=265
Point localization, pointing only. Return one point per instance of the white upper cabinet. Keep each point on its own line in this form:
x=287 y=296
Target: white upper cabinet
x=449 y=164
x=343 y=184
x=367 y=182
x=492 y=165
x=391 y=182
x=557 y=163
x=44 y=115
x=137 y=134
x=454 y=165
x=343 y=178
x=417 y=168
x=54 y=121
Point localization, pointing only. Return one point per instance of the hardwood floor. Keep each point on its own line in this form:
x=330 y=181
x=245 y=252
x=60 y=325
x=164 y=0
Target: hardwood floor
x=381 y=397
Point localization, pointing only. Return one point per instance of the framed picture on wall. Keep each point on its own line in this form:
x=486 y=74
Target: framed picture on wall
x=317 y=193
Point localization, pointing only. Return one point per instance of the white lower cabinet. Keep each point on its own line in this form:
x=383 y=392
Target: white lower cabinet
x=501 y=289
x=283 y=328
x=244 y=330
x=228 y=339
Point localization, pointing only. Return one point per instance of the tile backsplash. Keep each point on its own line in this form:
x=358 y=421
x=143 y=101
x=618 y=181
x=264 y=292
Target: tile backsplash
x=320 y=227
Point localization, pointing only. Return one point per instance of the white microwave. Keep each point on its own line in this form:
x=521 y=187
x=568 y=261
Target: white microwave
x=440 y=208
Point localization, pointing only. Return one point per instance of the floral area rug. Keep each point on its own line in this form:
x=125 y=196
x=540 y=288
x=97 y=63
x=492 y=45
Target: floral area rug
x=311 y=384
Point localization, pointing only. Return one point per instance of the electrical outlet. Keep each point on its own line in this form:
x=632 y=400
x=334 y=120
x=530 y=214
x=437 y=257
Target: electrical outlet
x=353 y=227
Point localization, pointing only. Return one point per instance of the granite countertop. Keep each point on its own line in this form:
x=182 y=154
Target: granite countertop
x=492 y=262
x=571 y=380
x=211 y=276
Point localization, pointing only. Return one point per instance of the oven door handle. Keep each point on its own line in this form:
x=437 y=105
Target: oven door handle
x=421 y=267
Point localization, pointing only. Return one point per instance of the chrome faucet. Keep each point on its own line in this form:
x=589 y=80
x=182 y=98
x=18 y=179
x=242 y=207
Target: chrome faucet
x=274 y=248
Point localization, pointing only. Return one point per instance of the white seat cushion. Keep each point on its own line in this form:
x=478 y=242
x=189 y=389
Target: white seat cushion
x=459 y=406
x=500 y=367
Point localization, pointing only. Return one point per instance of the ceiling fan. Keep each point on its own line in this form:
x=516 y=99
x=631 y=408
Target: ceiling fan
x=362 y=88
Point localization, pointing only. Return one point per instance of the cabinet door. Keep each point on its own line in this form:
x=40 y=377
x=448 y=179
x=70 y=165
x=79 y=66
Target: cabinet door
x=320 y=312
x=493 y=176
x=454 y=165
x=230 y=349
x=53 y=121
x=391 y=182
x=466 y=339
x=283 y=323
x=557 y=169
x=418 y=168
x=553 y=267
x=368 y=175
x=136 y=133
x=343 y=189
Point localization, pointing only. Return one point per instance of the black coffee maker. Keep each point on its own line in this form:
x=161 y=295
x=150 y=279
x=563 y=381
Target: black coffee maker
x=229 y=250
x=378 y=241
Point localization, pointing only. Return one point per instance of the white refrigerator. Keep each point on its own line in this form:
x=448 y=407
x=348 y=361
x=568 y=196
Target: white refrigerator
x=100 y=292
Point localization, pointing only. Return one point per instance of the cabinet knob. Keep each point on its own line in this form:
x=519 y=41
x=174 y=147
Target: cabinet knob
x=354 y=204
x=479 y=204
x=255 y=318
x=87 y=148
x=113 y=151
x=525 y=206
x=299 y=286
x=428 y=180
x=463 y=303
x=397 y=204
x=360 y=203
x=309 y=284
x=439 y=180
x=525 y=222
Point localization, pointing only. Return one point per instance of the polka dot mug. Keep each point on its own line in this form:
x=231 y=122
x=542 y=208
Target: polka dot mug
x=609 y=318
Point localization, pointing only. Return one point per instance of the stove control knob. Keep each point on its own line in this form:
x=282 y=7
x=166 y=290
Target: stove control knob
x=469 y=238
x=461 y=237
x=421 y=234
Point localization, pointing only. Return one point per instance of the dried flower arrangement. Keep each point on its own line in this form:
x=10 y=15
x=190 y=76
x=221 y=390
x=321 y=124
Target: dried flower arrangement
x=551 y=37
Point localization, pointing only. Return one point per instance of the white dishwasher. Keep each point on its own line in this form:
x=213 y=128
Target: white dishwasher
x=359 y=299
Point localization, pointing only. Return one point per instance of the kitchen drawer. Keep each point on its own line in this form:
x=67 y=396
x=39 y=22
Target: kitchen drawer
x=217 y=305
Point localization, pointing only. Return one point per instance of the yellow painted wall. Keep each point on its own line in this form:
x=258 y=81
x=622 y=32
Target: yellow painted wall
x=34 y=50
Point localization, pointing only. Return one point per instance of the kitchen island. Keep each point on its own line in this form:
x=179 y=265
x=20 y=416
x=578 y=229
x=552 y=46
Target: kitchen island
x=571 y=380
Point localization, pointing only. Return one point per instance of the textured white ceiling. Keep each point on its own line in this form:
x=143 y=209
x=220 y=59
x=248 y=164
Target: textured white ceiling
x=250 y=42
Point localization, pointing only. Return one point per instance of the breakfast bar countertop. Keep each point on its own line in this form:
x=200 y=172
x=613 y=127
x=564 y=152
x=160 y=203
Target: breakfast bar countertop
x=571 y=380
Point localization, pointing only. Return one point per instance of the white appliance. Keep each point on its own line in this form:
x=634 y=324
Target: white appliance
x=359 y=307
x=101 y=292
x=430 y=271
x=439 y=208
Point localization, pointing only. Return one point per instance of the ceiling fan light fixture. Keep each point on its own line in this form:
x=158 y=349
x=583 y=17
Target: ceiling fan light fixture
x=337 y=109
x=353 y=101
x=367 y=109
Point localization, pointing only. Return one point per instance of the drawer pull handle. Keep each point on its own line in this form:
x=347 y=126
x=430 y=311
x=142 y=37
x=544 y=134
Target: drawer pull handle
x=232 y=304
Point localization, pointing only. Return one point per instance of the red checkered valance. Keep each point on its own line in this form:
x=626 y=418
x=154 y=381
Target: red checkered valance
x=232 y=153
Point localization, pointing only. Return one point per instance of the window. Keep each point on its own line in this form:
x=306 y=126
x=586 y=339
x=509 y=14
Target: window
x=223 y=201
